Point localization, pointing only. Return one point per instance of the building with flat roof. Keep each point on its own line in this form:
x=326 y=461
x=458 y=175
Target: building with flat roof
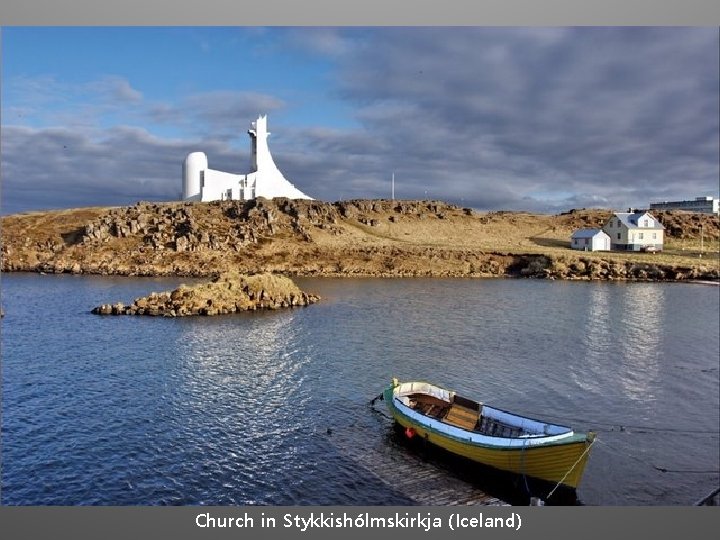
x=699 y=205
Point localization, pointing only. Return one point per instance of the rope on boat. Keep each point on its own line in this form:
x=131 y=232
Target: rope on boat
x=587 y=449
x=380 y=412
x=708 y=499
x=609 y=427
x=656 y=467
x=685 y=471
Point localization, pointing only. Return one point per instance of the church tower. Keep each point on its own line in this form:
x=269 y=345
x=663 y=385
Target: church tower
x=265 y=177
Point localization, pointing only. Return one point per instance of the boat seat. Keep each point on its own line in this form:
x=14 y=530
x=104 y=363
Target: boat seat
x=462 y=417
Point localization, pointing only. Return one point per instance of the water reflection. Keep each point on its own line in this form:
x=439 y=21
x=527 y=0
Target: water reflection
x=249 y=357
x=639 y=339
x=621 y=341
x=240 y=386
x=590 y=372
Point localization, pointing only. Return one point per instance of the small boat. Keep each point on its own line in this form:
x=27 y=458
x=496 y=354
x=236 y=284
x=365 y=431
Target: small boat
x=489 y=436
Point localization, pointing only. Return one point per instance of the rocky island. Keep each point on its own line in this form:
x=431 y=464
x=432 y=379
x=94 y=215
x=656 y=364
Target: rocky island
x=354 y=238
x=229 y=293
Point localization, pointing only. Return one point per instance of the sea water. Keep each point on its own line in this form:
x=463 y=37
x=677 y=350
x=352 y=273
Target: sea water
x=272 y=408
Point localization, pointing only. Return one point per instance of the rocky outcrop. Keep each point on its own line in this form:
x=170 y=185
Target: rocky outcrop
x=177 y=228
x=383 y=238
x=187 y=227
x=228 y=293
x=685 y=226
x=586 y=268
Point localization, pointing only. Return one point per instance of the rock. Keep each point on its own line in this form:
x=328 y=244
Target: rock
x=182 y=243
x=226 y=294
x=105 y=309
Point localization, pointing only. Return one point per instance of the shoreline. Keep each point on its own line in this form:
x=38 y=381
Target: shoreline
x=340 y=276
x=359 y=238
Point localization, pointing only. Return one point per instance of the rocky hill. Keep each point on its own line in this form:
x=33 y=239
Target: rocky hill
x=345 y=238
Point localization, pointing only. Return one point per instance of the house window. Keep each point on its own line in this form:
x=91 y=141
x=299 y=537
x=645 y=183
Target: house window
x=618 y=236
x=645 y=223
x=586 y=242
x=654 y=236
x=640 y=236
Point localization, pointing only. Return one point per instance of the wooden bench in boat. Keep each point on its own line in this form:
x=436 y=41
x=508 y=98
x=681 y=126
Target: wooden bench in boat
x=464 y=413
x=462 y=417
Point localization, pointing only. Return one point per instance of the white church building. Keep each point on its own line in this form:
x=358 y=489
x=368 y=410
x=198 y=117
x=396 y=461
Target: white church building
x=201 y=183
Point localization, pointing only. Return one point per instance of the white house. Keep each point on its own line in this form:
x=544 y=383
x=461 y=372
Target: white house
x=635 y=231
x=590 y=240
x=200 y=183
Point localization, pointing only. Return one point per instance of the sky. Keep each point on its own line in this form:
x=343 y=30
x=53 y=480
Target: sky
x=493 y=118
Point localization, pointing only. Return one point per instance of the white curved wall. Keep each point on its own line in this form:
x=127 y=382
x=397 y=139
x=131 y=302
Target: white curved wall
x=195 y=163
x=272 y=183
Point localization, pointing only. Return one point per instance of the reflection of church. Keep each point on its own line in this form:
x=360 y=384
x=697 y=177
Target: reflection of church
x=201 y=183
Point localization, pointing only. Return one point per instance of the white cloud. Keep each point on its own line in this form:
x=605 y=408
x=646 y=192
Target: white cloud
x=326 y=41
x=221 y=114
x=114 y=88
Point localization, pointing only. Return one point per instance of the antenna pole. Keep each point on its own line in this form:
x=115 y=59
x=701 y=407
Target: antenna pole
x=701 y=241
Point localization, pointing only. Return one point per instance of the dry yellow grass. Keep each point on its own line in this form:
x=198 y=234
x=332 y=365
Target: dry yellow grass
x=398 y=238
x=507 y=233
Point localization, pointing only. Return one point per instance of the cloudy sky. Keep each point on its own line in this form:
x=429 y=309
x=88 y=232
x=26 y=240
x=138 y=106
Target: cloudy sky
x=539 y=119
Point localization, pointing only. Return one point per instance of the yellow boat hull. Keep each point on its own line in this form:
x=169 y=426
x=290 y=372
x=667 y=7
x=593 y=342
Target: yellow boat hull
x=560 y=463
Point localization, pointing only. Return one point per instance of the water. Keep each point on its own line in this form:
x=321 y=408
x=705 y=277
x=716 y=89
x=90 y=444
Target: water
x=272 y=408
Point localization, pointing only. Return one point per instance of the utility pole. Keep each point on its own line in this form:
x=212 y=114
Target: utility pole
x=701 y=241
x=393 y=186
